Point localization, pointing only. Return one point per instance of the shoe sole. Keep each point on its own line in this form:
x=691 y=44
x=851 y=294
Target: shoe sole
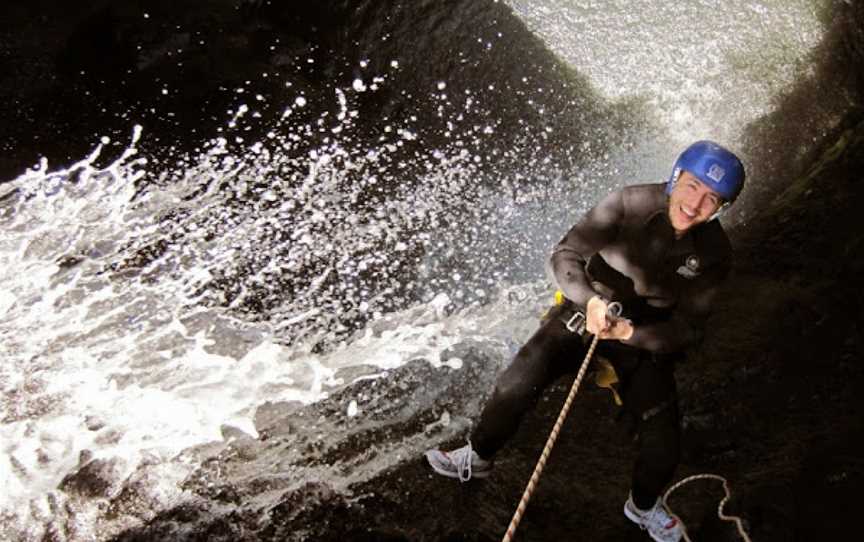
x=633 y=517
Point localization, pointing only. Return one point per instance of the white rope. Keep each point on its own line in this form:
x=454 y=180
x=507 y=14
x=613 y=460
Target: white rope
x=720 y=513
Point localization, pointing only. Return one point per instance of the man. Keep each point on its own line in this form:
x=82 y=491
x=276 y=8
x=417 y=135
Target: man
x=657 y=251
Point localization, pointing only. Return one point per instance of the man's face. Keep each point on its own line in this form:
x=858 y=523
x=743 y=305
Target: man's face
x=691 y=203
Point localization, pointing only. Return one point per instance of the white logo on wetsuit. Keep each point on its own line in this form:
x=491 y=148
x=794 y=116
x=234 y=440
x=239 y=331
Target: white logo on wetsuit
x=690 y=269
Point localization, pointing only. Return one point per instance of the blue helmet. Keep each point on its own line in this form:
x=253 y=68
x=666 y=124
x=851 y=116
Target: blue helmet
x=717 y=167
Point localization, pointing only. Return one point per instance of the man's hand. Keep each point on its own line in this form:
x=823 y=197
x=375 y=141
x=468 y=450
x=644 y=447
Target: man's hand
x=599 y=322
x=619 y=329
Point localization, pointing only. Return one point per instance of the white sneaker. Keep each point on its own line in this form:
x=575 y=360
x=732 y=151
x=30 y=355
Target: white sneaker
x=660 y=524
x=462 y=463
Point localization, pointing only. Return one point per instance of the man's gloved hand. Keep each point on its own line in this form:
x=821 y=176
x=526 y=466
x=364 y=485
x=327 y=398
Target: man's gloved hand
x=599 y=322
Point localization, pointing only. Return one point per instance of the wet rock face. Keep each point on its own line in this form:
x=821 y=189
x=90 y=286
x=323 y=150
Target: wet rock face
x=177 y=67
x=405 y=406
x=769 y=401
x=322 y=507
x=291 y=483
x=97 y=70
x=810 y=115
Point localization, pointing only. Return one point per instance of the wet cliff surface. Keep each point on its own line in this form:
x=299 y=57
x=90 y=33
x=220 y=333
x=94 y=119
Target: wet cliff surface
x=182 y=68
x=772 y=400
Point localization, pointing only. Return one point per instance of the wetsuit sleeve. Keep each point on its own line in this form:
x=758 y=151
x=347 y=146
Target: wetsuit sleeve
x=686 y=325
x=597 y=229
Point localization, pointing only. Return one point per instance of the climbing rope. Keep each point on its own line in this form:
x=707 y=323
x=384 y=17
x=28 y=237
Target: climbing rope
x=553 y=436
x=550 y=442
x=720 y=513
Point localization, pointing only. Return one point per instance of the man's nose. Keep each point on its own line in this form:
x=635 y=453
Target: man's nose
x=698 y=201
x=693 y=200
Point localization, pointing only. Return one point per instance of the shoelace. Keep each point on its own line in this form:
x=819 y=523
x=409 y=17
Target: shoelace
x=464 y=463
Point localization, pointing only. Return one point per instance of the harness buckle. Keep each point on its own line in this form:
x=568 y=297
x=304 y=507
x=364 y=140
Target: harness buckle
x=576 y=323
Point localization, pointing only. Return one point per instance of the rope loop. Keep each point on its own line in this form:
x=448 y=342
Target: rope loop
x=720 y=512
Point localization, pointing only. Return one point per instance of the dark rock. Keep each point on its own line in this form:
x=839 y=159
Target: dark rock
x=100 y=478
x=94 y=423
x=231 y=432
x=84 y=457
x=269 y=414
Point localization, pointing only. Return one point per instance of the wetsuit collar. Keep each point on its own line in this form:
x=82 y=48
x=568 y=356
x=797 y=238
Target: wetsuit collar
x=660 y=219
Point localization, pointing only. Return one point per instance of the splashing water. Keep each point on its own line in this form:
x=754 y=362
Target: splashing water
x=143 y=311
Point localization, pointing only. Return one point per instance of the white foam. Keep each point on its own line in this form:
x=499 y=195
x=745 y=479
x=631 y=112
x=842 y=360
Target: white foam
x=7 y=299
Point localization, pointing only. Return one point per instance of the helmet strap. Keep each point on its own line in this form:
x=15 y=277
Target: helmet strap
x=720 y=211
x=673 y=179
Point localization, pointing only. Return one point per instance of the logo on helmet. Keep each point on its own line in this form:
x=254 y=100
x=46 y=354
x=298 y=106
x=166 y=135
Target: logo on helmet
x=716 y=173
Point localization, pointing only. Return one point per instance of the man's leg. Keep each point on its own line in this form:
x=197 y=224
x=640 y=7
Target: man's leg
x=651 y=397
x=551 y=352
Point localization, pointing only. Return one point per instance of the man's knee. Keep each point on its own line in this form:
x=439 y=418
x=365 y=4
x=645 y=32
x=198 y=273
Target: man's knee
x=512 y=388
x=523 y=380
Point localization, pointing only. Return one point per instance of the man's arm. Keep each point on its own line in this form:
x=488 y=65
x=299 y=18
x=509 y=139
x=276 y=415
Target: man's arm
x=597 y=229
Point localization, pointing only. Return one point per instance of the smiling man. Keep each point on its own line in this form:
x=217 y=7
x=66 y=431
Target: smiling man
x=655 y=250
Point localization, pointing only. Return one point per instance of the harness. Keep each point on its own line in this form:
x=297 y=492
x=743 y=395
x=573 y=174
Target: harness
x=574 y=320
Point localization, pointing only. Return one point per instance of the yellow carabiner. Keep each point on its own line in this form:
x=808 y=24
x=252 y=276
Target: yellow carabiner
x=559 y=297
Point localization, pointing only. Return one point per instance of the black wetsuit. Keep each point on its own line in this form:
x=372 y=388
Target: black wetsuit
x=625 y=250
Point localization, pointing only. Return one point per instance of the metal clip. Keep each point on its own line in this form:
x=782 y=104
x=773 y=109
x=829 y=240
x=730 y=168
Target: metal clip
x=576 y=323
